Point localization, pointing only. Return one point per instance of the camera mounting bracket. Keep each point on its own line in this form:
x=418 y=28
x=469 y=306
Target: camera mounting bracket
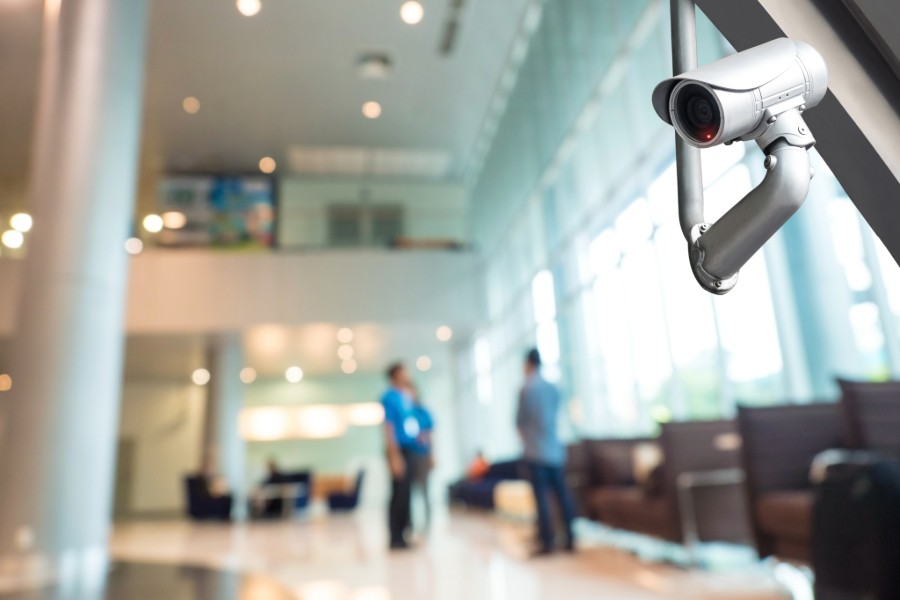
x=717 y=251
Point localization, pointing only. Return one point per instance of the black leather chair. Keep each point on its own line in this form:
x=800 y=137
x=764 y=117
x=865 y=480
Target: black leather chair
x=349 y=500
x=202 y=505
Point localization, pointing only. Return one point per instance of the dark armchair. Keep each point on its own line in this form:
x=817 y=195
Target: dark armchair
x=779 y=445
x=871 y=415
x=201 y=505
x=348 y=500
x=689 y=449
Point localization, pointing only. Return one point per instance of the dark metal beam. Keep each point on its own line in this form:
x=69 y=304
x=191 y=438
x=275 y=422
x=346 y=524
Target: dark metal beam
x=862 y=172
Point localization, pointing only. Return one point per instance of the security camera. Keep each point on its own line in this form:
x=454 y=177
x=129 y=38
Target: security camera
x=740 y=97
x=759 y=94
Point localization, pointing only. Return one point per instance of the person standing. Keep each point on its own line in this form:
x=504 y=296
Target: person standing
x=401 y=430
x=544 y=453
x=423 y=453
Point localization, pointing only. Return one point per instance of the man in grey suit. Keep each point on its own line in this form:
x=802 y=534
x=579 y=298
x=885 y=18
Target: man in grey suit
x=544 y=453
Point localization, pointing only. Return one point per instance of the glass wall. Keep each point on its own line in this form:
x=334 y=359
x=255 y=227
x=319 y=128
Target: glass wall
x=575 y=214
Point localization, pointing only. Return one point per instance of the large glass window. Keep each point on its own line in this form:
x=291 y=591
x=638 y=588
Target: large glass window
x=864 y=313
x=620 y=317
x=543 y=295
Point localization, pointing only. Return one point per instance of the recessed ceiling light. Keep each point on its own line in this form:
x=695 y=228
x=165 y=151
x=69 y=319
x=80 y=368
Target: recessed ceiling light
x=134 y=246
x=345 y=352
x=12 y=239
x=267 y=164
x=174 y=219
x=423 y=363
x=294 y=374
x=200 y=377
x=190 y=105
x=248 y=374
x=371 y=109
x=412 y=12
x=349 y=366
x=345 y=335
x=444 y=333
x=5 y=383
x=249 y=8
x=153 y=223
x=21 y=222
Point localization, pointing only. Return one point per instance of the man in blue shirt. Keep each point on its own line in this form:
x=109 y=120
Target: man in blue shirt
x=401 y=432
x=544 y=453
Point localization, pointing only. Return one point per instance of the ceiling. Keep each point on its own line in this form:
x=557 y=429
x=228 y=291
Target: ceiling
x=271 y=349
x=285 y=83
x=287 y=78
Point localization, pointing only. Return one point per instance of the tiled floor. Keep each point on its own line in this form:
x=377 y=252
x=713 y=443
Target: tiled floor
x=467 y=556
x=135 y=581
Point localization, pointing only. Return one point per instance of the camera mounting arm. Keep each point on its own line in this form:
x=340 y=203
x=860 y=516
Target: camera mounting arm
x=717 y=251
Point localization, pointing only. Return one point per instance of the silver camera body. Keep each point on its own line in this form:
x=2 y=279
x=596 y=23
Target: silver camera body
x=741 y=96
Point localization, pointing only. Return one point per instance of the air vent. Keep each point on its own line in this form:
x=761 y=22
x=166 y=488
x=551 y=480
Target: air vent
x=374 y=65
x=360 y=161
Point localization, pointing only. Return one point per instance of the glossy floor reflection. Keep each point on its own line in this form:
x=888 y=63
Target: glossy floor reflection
x=469 y=556
x=137 y=581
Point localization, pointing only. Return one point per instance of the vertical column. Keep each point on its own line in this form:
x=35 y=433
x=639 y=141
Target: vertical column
x=59 y=423
x=222 y=442
x=822 y=297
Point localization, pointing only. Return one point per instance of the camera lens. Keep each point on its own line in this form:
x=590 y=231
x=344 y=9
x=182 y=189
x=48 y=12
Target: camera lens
x=698 y=113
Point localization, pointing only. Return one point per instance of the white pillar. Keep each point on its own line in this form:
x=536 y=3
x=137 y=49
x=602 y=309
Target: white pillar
x=225 y=399
x=60 y=420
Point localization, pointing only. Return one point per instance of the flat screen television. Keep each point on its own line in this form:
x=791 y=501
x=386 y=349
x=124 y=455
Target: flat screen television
x=225 y=212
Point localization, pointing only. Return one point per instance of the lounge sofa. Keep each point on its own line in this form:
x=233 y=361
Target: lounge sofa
x=480 y=492
x=779 y=445
x=595 y=465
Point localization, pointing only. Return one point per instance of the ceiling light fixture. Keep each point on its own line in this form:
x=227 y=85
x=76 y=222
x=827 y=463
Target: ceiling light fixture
x=190 y=105
x=267 y=165
x=5 y=383
x=345 y=352
x=249 y=8
x=134 y=246
x=364 y=414
x=174 y=219
x=345 y=335
x=349 y=366
x=248 y=374
x=200 y=376
x=21 y=222
x=153 y=223
x=412 y=12
x=444 y=333
x=12 y=239
x=371 y=109
x=423 y=363
x=294 y=374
